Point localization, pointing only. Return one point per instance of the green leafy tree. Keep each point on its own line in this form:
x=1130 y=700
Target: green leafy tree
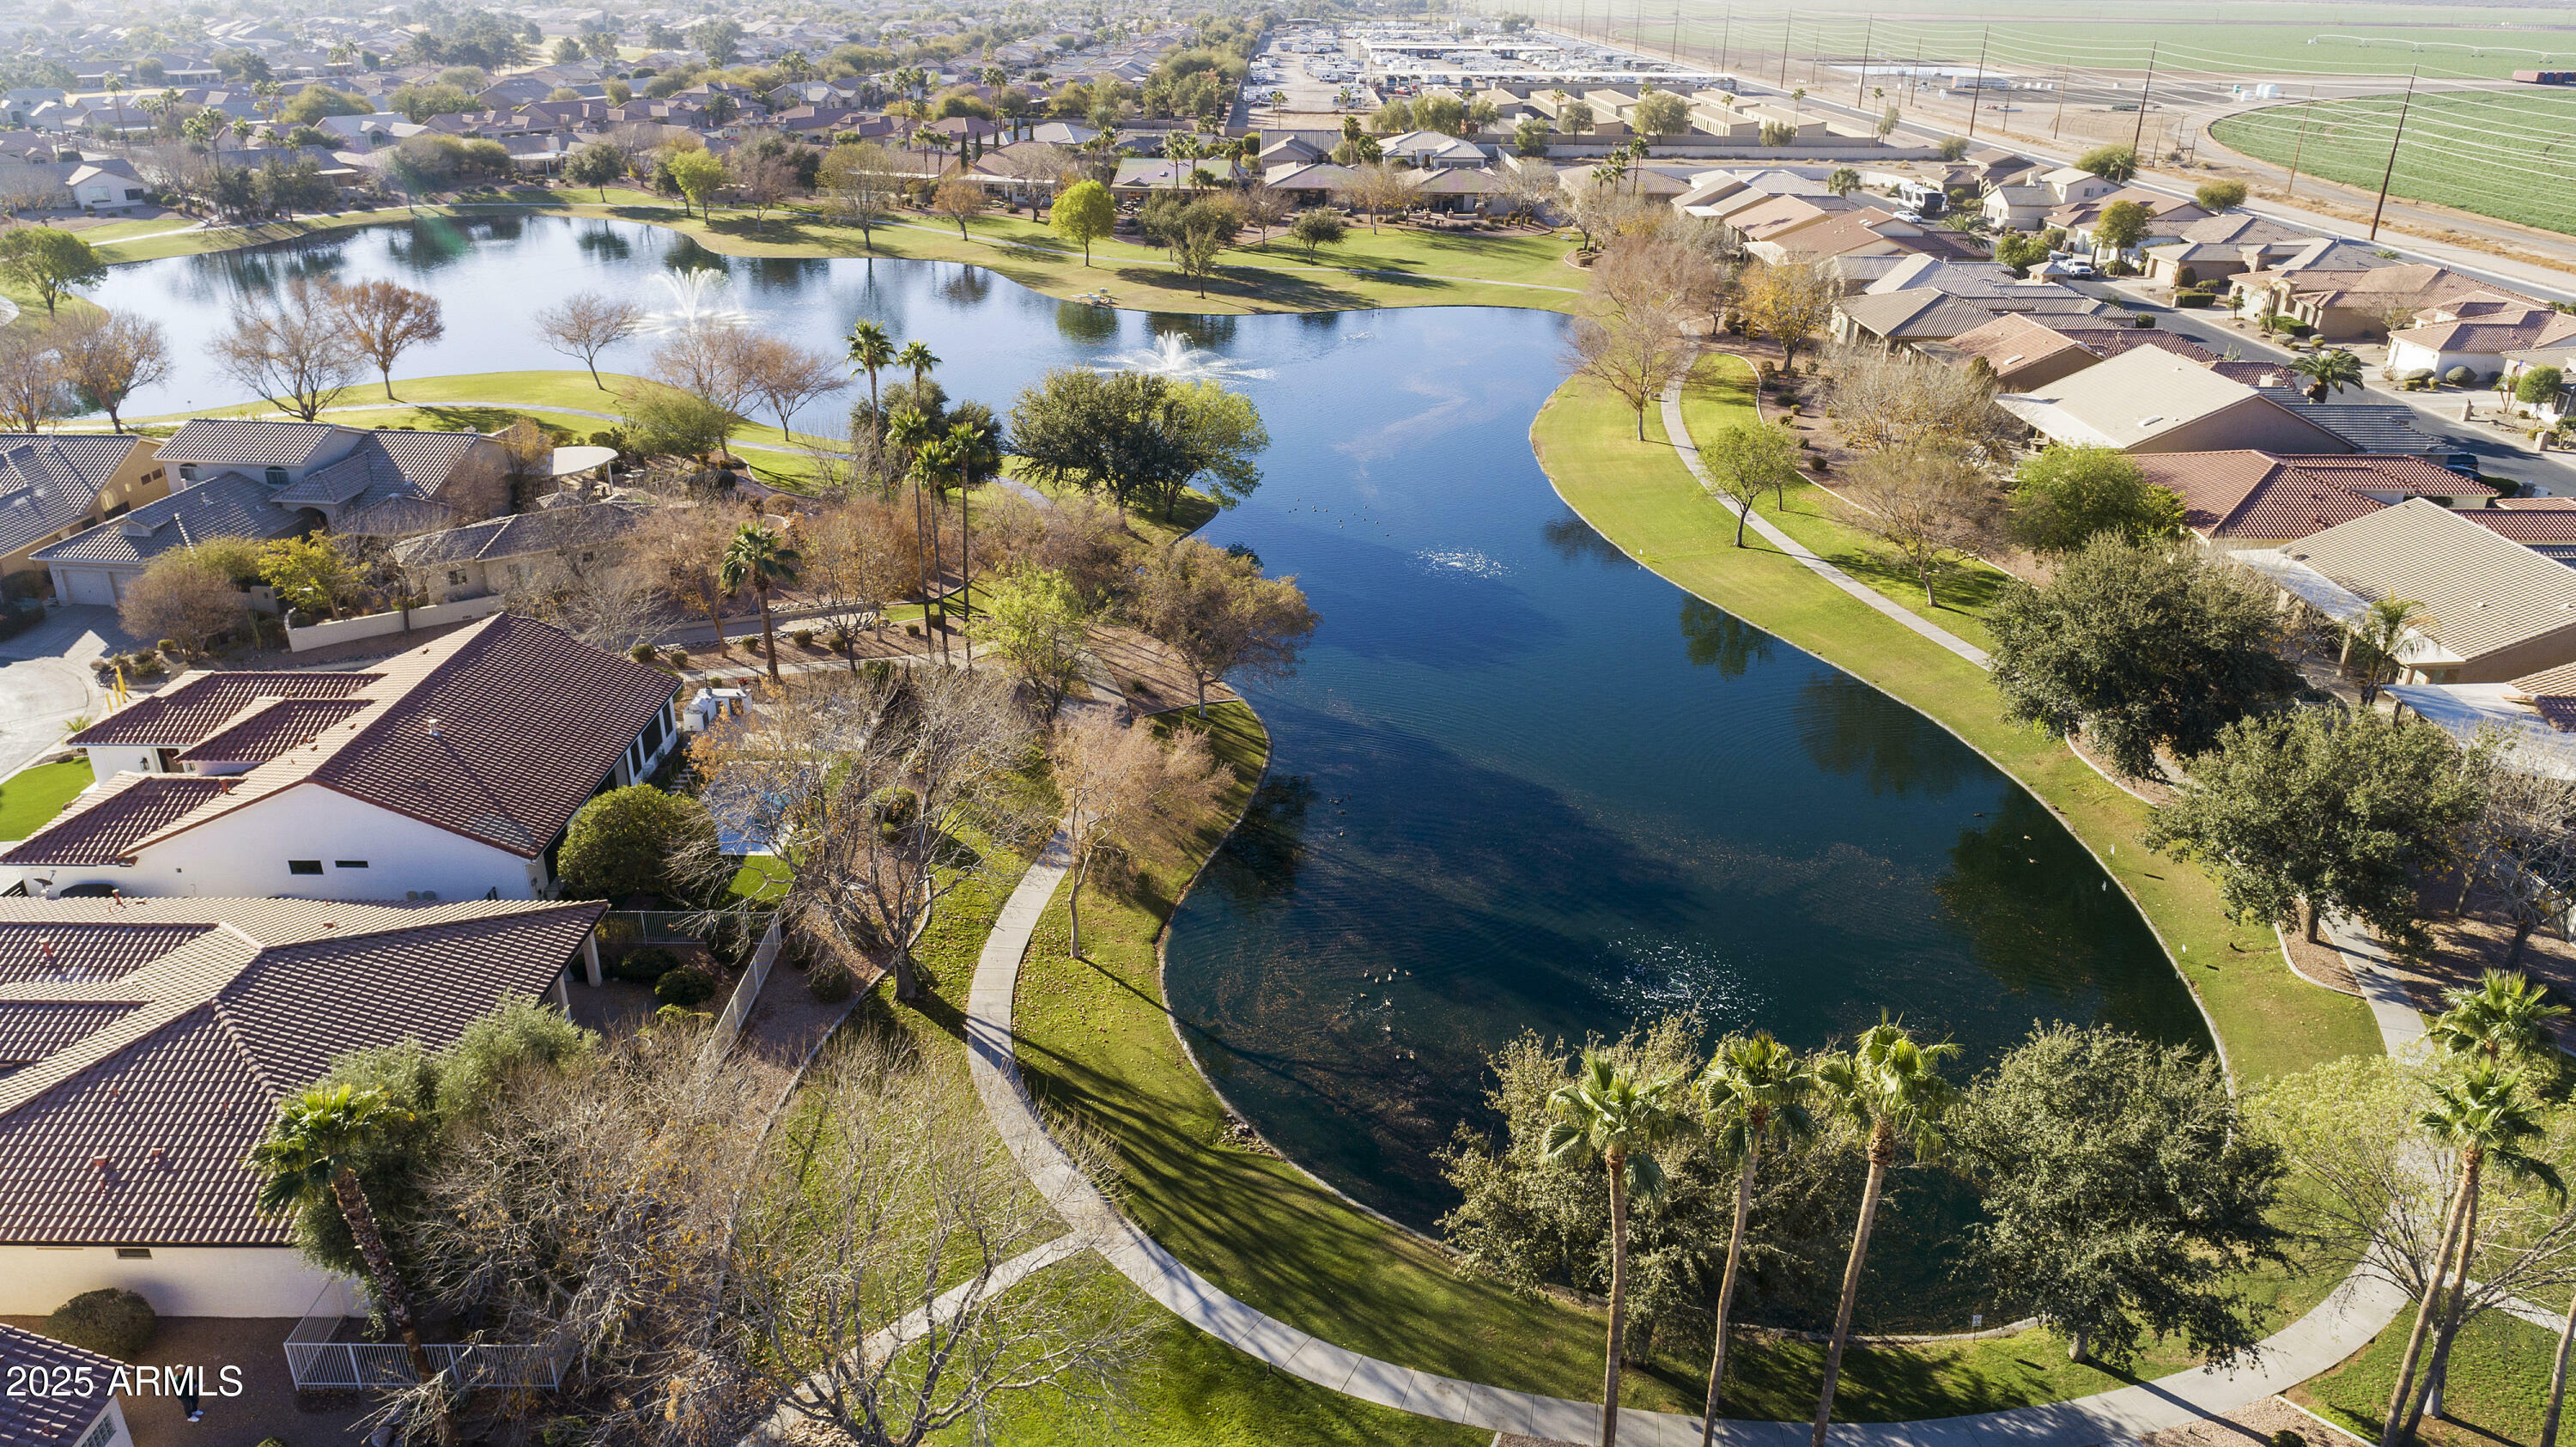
x=1214 y=608
x=2123 y=1201
x=697 y=174
x=1317 y=227
x=1742 y=459
x=757 y=558
x=627 y=841
x=2065 y=496
x=312 y=1151
x=596 y=164
x=1084 y=214
x=49 y=261
x=2329 y=808
x=1661 y=113
x=2020 y=250
x=2137 y=650
x=1753 y=1095
x=310 y=574
x=1033 y=618
x=1610 y=1118
x=2122 y=225
x=1889 y=1087
x=1530 y=137
x=2111 y=163
x=2539 y=386
x=1843 y=181
x=2216 y=196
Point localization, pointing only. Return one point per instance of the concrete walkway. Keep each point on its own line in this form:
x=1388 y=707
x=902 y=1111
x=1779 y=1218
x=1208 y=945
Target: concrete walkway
x=1681 y=440
x=2348 y=1318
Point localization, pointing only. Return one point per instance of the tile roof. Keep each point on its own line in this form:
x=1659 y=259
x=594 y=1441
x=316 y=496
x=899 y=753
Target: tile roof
x=101 y=825
x=272 y=727
x=2486 y=592
x=2112 y=341
x=1909 y=315
x=383 y=467
x=2014 y=340
x=2368 y=426
x=57 y=951
x=2129 y=399
x=522 y=534
x=196 y=705
x=28 y=1419
x=499 y=732
x=133 y=1131
x=232 y=442
x=47 y=481
x=2530 y=527
x=2251 y=494
x=226 y=505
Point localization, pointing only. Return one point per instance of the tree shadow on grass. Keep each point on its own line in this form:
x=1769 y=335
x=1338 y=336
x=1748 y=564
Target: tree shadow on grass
x=463 y=417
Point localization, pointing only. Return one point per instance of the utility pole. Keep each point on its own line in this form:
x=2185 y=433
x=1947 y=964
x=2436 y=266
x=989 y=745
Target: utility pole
x=1860 y=86
x=1978 y=87
x=2301 y=148
x=2062 y=70
x=1725 y=36
x=2139 y=133
x=1785 y=22
x=2390 y=173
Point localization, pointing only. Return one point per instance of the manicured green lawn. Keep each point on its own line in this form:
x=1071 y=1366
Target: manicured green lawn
x=1640 y=496
x=1393 y=266
x=30 y=797
x=2499 y=1383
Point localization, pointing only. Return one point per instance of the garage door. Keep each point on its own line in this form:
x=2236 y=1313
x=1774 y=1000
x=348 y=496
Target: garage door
x=90 y=585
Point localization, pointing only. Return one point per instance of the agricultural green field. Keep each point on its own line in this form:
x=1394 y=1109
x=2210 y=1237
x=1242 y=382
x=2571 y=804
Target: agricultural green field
x=2510 y=156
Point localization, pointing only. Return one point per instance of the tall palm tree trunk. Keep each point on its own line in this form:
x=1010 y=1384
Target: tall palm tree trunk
x=1882 y=1151
x=966 y=564
x=1726 y=1294
x=921 y=530
x=938 y=577
x=2392 y=1430
x=370 y=1241
x=2558 y=1379
x=1615 y=1161
x=2430 y=1399
x=768 y=635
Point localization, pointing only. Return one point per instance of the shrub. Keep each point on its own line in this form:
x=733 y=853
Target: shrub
x=831 y=982
x=2460 y=376
x=912 y=630
x=687 y=987
x=2120 y=267
x=676 y=656
x=641 y=652
x=2191 y=300
x=801 y=637
x=626 y=840
x=2185 y=277
x=644 y=966
x=169 y=646
x=110 y=1321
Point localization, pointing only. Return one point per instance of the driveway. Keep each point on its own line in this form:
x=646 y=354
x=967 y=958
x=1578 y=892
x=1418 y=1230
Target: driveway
x=45 y=680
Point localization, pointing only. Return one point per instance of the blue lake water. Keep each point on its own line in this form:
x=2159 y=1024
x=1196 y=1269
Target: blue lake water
x=1519 y=781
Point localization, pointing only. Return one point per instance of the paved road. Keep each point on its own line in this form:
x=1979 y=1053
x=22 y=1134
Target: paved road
x=45 y=680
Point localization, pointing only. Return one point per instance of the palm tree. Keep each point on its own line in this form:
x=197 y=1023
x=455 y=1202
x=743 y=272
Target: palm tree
x=975 y=453
x=916 y=359
x=312 y=1152
x=2484 y=1115
x=1607 y=1118
x=755 y=557
x=872 y=351
x=2378 y=635
x=1754 y=1093
x=2328 y=371
x=1890 y=1086
x=932 y=461
x=1843 y=181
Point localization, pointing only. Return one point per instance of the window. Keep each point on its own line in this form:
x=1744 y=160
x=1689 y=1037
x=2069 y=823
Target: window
x=304 y=866
x=101 y=1432
x=133 y=1253
x=187 y=472
x=348 y=864
x=456 y=577
x=277 y=476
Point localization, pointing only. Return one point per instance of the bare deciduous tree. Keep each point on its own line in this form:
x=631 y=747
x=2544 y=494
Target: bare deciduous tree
x=787 y=376
x=184 y=598
x=872 y=788
x=33 y=389
x=109 y=358
x=1627 y=329
x=1078 y=536
x=2521 y=849
x=864 y=182
x=716 y=364
x=1266 y=206
x=586 y=324
x=1880 y=400
x=1124 y=790
x=291 y=348
x=386 y=319
x=1216 y=610
x=858 y=558
x=1930 y=505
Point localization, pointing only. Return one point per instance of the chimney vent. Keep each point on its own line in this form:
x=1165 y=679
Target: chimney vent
x=433 y=727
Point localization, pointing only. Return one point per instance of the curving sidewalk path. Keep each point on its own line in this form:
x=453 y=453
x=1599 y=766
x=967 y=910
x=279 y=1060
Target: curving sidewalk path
x=2345 y=1321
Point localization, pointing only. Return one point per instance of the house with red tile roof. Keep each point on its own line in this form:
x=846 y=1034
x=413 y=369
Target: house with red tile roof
x=145 y=1045
x=2248 y=497
x=448 y=772
x=81 y=1413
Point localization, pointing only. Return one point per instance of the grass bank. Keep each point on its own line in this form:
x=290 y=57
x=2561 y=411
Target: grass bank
x=1640 y=496
x=2498 y=1384
x=1096 y=1041
x=33 y=796
x=1393 y=266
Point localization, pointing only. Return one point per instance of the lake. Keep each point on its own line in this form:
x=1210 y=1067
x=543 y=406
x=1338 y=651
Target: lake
x=1518 y=783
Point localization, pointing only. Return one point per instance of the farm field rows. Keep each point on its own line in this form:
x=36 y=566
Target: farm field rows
x=2512 y=157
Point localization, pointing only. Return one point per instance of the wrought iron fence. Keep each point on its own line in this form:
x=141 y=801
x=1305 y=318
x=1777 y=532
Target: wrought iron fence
x=318 y=1359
